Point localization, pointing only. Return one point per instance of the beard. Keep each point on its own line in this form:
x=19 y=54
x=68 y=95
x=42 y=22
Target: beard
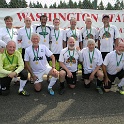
x=71 y=47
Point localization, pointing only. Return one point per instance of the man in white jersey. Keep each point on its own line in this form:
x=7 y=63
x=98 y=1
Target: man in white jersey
x=2 y=46
x=88 y=32
x=108 y=37
x=44 y=31
x=56 y=39
x=92 y=60
x=72 y=32
x=113 y=66
x=37 y=65
x=9 y=33
x=68 y=62
x=24 y=35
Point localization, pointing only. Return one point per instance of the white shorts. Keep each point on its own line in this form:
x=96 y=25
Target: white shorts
x=40 y=75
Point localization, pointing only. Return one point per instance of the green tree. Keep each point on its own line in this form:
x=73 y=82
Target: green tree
x=101 y=7
x=23 y=4
x=109 y=6
x=94 y=3
x=3 y=4
x=117 y=5
x=75 y=5
x=30 y=5
x=80 y=4
x=87 y=4
x=45 y=6
x=54 y=5
x=14 y=4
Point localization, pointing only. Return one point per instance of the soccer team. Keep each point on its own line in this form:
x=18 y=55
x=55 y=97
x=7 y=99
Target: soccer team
x=100 y=52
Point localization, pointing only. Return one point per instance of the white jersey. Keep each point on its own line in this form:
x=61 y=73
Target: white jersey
x=40 y=64
x=111 y=62
x=89 y=66
x=86 y=34
x=10 y=34
x=24 y=34
x=44 y=35
x=107 y=37
x=72 y=33
x=2 y=44
x=69 y=59
x=57 y=44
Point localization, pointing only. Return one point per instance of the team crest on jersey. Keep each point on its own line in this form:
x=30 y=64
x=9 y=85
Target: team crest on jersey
x=41 y=50
x=38 y=58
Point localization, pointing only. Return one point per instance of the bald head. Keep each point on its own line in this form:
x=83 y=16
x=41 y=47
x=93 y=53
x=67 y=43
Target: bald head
x=27 y=22
x=11 y=47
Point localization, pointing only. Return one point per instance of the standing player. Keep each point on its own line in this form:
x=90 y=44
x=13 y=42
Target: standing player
x=108 y=37
x=72 y=32
x=88 y=32
x=43 y=31
x=37 y=65
x=56 y=39
x=24 y=35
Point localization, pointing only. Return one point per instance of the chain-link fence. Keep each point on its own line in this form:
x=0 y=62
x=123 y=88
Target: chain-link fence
x=82 y=4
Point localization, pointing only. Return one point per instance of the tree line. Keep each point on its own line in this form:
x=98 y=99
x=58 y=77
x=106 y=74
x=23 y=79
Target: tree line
x=82 y=4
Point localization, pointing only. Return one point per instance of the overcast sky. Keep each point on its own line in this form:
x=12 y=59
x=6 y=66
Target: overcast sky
x=49 y=2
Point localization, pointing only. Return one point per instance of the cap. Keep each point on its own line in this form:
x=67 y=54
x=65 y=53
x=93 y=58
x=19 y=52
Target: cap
x=105 y=16
x=2 y=44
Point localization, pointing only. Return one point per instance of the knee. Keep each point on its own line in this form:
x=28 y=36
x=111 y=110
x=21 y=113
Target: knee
x=24 y=74
x=62 y=74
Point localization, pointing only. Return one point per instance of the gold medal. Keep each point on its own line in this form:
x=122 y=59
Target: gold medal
x=56 y=42
x=90 y=66
x=29 y=42
x=36 y=62
x=44 y=40
x=70 y=63
x=106 y=38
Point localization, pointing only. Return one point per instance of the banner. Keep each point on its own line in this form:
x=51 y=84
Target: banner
x=18 y=14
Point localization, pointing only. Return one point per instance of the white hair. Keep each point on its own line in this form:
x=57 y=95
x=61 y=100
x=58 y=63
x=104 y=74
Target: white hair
x=91 y=41
x=35 y=34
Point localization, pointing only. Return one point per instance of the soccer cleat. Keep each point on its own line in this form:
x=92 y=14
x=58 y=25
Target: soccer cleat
x=121 y=91
x=99 y=89
x=24 y=93
x=51 y=92
x=61 y=91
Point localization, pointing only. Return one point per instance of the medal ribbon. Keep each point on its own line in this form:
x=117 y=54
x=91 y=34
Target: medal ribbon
x=91 y=59
x=74 y=33
x=11 y=36
x=57 y=37
x=35 y=55
x=28 y=35
x=44 y=32
x=88 y=35
x=10 y=61
x=106 y=31
x=70 y=55
x=118 y=63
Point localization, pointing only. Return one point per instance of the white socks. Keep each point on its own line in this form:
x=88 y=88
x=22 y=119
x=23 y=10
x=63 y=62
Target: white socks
x=22 y=84
x=52 y=82
x=121 y=83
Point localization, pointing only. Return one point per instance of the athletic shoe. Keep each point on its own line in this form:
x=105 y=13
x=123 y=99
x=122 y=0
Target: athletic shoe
x=61 y=91
x=121 y=91
x=51 y=92
x=99 y=89
x=87 y=85
x=24 y=93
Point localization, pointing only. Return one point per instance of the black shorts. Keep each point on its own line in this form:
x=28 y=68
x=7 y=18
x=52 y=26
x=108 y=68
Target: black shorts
x=120 y=75
x=23 y=53
x=104 y=54
x=73 y=80
x=86 y=76
x=56 y=57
